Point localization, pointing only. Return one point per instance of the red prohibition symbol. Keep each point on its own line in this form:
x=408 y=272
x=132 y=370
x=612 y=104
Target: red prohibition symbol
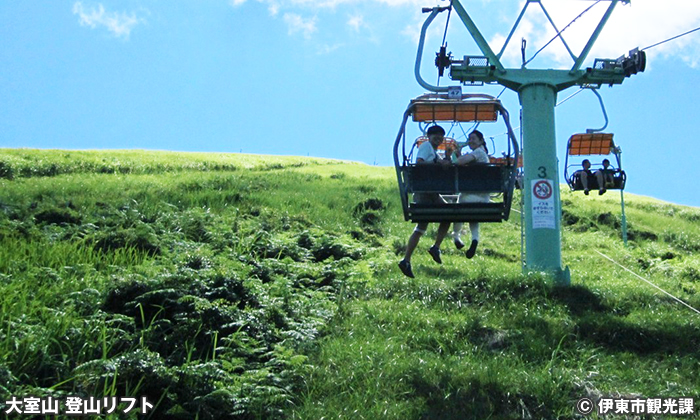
x=542 y=190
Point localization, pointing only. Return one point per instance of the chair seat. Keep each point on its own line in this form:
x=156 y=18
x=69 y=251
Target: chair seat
x=457 y=212
x=619 y=180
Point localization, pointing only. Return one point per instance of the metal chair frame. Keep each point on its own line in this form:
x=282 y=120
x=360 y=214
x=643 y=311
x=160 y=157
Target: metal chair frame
x=492 y=178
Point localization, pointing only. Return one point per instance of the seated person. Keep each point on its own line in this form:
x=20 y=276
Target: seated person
x=585 y=175
x=605 y=177
x=479 y=154
x=427 y=155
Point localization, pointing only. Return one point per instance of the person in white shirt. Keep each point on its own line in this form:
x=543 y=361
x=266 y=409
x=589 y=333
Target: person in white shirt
x=479 y=154
x=427 y=155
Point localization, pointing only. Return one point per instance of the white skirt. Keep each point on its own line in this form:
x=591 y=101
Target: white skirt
x=475 y=198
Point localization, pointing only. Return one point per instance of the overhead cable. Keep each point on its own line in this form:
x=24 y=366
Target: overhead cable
x=671 y=39
x=643 y=279
x=560 y=32
x=570 y=96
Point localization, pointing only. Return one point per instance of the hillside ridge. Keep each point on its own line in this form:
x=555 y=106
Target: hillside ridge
x=271 y=291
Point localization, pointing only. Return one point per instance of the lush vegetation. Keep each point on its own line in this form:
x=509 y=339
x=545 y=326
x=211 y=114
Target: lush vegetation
x=257 y=287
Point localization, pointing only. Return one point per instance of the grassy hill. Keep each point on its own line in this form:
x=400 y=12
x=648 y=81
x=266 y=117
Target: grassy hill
x=229 y=286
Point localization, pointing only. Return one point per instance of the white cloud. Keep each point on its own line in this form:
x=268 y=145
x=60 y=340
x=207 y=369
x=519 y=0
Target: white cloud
x=293 y=10
x=336 y=3
x=412 y=31
x=638 y=24
x=356 y=22
x=327 y=49
x=404 y=3
x=120 y=24
x=296 y=23
x=642 y=23
x=645 y=23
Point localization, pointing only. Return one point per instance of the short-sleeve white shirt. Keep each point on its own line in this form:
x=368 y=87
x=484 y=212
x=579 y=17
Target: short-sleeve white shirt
x=426 y=152
x=480 y=155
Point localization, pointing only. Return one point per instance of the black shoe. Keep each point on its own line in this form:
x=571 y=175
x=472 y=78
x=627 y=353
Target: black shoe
x=435 y=253
x=585 y=191
x=458 y=243
x=472 y=248
x=405 y=267
x=601 y=191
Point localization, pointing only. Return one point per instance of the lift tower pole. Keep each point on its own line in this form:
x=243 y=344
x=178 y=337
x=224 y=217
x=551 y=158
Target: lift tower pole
x=537 y=90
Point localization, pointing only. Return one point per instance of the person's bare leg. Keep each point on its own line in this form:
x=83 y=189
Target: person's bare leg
x=441 y=234
x=412 y=244
x=405 y=264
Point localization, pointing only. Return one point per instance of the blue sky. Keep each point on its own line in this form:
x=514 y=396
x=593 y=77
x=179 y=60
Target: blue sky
x=328 y=78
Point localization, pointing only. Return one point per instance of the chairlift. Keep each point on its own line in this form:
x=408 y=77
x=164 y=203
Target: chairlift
x=594 y=144
x=497 y=178
x=598 y=144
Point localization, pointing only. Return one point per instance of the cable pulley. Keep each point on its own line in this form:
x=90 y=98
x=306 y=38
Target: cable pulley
x=635 y=63
x=443 y=60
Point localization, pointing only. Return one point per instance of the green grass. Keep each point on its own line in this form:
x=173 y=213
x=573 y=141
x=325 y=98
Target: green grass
x=31 y=162
x=263 y=287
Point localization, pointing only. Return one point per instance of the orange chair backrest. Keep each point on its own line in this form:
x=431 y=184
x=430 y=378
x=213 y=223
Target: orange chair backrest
x=590 y=144
x=426 y=111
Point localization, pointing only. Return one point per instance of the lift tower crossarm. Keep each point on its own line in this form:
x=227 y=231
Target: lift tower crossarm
x=517 y=22
x=604 y=72
x=594 y=37
x=478 y=38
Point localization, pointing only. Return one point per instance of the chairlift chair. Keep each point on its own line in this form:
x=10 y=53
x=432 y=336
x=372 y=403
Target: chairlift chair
x=591 y=144
x=496 y=178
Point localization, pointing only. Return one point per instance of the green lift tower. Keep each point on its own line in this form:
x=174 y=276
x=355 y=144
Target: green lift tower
x=537 y=90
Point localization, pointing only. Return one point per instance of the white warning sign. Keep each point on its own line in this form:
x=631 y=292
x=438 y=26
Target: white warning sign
x=543 y=216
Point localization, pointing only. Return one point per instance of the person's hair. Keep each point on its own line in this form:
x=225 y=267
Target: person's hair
x=480 y=135
x=435 y=129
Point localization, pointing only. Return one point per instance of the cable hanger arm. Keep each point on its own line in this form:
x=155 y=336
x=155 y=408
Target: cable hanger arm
x=419 y=54
x=605 y=114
